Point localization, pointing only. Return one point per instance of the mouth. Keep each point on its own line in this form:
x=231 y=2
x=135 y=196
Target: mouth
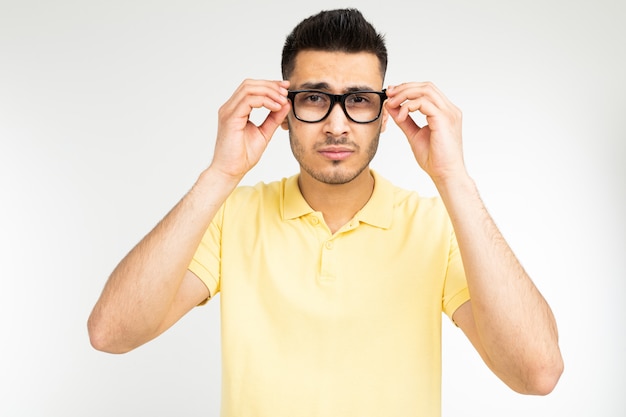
x=335 y=153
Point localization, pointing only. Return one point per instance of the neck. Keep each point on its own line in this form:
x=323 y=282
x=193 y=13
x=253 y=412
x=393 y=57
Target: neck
x=337 y=202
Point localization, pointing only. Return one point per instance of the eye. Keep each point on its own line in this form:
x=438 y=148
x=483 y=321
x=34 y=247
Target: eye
x=359 y=99
x=313 y=97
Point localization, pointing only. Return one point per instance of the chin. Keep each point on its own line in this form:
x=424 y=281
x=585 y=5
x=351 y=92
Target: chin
x=336 y=175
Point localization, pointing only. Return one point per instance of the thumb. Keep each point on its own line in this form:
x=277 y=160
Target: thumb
x=272 y=121
x=404 y=121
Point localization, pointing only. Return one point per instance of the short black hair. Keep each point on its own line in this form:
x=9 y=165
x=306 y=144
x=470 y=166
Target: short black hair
x=340 y=30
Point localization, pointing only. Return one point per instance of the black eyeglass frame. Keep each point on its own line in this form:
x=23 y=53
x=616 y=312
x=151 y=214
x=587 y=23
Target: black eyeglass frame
x=337 y=98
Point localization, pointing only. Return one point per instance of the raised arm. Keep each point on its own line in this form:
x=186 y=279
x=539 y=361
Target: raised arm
x=507 y=319
x=151 y=288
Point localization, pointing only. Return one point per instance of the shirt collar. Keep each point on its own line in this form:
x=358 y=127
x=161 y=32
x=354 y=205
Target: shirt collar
x=294 y=204
x=378 y=211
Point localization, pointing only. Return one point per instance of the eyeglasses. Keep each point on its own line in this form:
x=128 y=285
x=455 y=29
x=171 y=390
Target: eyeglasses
x=313 y=106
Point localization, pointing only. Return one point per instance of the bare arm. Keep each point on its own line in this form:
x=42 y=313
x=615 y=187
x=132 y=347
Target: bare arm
x=151 y=288
x=507 y=320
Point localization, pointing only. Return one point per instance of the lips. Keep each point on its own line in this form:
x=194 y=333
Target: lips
x=335 y=153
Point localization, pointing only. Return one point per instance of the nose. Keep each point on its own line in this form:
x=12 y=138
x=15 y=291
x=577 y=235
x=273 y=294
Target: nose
x=337 y=123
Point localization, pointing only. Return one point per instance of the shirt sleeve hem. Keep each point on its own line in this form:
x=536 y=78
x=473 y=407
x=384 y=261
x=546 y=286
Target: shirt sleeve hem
x=205 y=276
x=455 y=302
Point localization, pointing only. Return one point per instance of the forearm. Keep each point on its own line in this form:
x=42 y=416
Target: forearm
x=515 y=326
x=139 y=293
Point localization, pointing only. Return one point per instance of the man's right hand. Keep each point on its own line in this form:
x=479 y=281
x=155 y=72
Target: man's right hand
x=240 y=143
x=152 y=287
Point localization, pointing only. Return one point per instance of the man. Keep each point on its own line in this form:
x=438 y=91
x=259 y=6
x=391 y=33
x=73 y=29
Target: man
x=333 y=281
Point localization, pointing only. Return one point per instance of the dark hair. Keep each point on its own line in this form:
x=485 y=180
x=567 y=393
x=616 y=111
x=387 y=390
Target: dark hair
x=341 y=30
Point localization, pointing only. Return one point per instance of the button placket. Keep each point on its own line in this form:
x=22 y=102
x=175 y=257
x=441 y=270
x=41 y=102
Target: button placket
x=328 y=270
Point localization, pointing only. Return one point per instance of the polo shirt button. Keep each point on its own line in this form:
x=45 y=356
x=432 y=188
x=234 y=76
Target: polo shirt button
x=315 y=221
x=328 y=245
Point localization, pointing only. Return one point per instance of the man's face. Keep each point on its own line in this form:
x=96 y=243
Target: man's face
x=335 y=150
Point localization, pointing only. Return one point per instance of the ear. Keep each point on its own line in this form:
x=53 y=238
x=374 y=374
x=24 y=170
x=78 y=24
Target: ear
x=385 y=117
x=285 y=123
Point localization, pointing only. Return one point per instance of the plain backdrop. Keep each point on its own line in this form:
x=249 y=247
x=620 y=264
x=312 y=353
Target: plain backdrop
x=108 y=114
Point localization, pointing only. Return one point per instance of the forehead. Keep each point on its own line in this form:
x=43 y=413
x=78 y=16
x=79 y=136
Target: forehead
x=339 y=70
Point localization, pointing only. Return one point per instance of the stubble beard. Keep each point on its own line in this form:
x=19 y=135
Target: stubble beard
x=337 y=175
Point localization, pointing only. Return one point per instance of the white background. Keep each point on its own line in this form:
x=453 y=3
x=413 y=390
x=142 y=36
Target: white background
x=108 y=114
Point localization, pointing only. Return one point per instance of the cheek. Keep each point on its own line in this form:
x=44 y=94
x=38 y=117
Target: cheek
x=296 y=147
x=302 y=133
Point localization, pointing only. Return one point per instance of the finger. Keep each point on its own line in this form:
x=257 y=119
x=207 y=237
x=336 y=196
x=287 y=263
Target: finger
x=273 y=89
x=422 y=104
x=273 y=120
x=270 y=96
x=254 y=94
x=404 y=121
x=410 y=91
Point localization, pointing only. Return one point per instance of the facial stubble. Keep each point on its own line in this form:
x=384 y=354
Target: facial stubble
x=337 y=175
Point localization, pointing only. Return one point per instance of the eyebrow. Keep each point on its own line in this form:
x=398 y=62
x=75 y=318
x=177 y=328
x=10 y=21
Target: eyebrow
x=323 y=86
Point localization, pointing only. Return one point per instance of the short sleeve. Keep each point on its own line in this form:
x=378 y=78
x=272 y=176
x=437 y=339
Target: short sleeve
x=206 y=262
x=455 y=292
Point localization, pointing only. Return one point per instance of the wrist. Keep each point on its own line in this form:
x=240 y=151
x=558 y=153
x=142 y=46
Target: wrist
x=451 y=178
x=215 y=185
x=456 y=184
x=215 y=175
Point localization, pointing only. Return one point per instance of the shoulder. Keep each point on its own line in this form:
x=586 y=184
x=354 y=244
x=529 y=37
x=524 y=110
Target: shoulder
x=264 y=200
x=403 y=199
x=411 y=209
x=247 y=194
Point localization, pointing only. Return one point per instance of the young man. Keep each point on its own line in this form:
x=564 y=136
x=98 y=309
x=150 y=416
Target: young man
x=333 y=281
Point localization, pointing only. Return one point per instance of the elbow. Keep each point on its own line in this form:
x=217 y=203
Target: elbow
x=543 y=380
x=102 y=339
x=549 y=378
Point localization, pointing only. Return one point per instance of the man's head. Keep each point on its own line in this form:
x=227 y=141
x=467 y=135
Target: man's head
x=342 y=30
x=335 y=63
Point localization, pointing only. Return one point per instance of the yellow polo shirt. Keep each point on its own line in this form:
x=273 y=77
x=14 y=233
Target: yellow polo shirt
x=316 y=324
